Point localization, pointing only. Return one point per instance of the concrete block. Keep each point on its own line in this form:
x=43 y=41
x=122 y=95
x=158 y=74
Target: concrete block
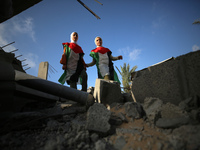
x=107 y=92
x=98 y=118
x=43 y=70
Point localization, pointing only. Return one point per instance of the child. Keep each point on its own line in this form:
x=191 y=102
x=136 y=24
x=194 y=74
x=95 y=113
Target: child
x=103 y=59
x=73 y=64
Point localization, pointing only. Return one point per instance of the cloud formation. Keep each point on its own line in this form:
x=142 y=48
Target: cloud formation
x=25 y=27
x=195 y=48
x=131 y=53
x=18 y=27
x=31 y=60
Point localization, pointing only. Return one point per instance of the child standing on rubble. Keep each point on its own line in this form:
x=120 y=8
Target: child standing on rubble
x=103 y=58
x=73 y=64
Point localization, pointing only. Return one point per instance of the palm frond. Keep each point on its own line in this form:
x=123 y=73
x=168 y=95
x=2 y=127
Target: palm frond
x=126 y=75
x=119 y=70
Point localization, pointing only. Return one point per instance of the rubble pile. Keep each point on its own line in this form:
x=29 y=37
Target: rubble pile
x=121 y=126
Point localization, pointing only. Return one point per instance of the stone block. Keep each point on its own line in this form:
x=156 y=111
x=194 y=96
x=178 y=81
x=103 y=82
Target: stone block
x=107 y=92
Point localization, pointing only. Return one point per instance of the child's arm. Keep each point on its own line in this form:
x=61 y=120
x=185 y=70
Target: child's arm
x=63 y=60
x=92 y=63
x=116 y=58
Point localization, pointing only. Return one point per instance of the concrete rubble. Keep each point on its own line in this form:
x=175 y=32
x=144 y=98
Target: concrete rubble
x=126 y=125
x=108 y=124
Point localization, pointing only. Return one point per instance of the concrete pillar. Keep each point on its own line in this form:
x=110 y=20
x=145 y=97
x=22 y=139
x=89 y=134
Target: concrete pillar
x=43 y=70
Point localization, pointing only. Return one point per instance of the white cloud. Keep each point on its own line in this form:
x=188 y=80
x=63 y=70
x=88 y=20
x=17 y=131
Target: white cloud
x=25 y=26
x=134 y=54
x=195 y=48
x=31 y=60
x=8 y=31
x=131 y=53
x=3 y=38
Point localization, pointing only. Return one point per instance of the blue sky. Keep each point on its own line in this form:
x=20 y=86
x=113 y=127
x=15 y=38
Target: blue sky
x=145 y=32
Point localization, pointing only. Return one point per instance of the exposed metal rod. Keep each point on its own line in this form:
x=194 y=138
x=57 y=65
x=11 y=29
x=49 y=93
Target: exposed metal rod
x=18 y=56
x=8 y=44
x=24 y=65
x=14 y=51
x=27 y=68
x=88 y=9
x=53 y=68
x=23 y=60
x=50 y=70
x=98 y=2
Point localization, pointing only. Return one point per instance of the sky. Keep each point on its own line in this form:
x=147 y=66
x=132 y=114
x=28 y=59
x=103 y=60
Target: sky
x=144 y=32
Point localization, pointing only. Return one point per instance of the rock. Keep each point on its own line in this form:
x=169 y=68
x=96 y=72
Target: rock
x=171 y=116
x=172 y=122
x=134 y=110
x=100 y=145
x=115 y=120
x=94 y=137
x=189 y=133
x=127 y=97
x=190 y=103
x=122 y=117
x=152 y=106
x=128 y=131
x=172 y=111
x=97 y=118
x=52 y=125
x=120 y=143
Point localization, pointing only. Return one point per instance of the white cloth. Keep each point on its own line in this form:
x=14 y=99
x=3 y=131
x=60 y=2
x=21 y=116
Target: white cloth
x=103 y=64
x=73 y=60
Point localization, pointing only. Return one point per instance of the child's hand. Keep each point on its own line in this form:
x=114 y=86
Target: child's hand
x=64 y=67
x=120 y=57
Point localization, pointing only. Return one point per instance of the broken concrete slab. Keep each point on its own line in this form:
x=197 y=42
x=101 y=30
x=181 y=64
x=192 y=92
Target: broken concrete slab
x=97 y=118
x=107 y=92
x=152 y=106
x=172 y=122
x=134 y=110
x=171 y=116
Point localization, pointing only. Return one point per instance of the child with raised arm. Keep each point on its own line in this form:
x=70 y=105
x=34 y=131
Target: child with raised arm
x=73 y=64
x=103 y=58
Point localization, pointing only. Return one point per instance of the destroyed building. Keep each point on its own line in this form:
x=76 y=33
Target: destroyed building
x=36 y=114
x=30 y=111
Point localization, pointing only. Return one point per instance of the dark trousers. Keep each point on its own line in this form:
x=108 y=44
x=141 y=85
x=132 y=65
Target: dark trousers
x=83 y=75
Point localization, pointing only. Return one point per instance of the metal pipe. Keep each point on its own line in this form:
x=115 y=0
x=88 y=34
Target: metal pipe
x=54 y=88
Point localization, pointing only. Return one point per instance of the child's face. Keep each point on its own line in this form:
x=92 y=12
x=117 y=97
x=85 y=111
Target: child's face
x=75 y=37
x=98 y=41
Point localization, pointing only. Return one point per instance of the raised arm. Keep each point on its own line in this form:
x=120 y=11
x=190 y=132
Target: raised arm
x=92 y=63
x=116 y=58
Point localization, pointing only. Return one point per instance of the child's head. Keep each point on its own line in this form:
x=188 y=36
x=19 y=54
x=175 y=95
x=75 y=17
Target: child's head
x=98 y=41
x=74 y=37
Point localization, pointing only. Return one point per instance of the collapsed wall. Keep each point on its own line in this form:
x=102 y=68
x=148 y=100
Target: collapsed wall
x=172 y=81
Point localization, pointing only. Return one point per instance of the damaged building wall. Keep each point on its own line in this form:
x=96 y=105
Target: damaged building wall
x=171 y=81
x=11 y=8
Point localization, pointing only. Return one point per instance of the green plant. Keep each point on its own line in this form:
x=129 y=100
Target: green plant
x=126 y=76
